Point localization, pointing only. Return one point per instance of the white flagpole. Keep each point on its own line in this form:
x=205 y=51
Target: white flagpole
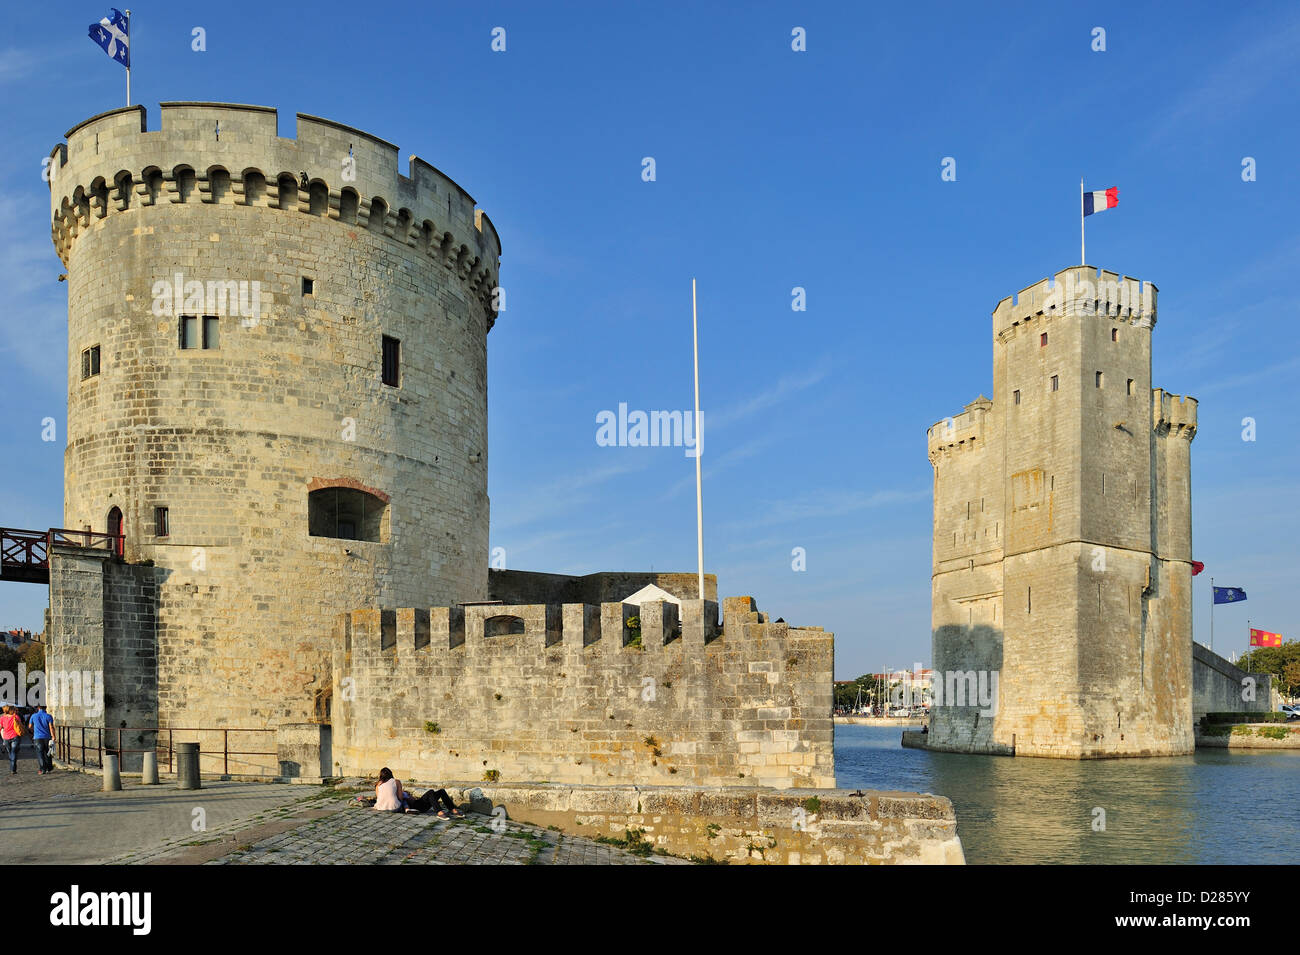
x=129 y=44
x=699 y=444
x=1083 y=257
x=1211 y=613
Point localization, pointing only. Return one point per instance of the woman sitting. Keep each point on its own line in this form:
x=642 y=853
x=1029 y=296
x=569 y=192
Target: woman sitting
x=390 y=797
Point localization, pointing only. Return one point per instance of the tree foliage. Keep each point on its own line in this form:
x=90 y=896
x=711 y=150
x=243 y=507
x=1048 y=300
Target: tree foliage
x=1283 y=662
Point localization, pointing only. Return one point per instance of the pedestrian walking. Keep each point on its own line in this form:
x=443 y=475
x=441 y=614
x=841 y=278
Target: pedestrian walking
x=11 y=733
x=43 y=735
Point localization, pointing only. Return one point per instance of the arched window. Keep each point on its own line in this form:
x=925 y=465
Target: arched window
x=218 y=183
x=502 y=625
x=346 y=513
x=378 y=212
x=318 y=198
x=124 y=187
x=348 y=202
x=254 y=187
x=185 y=182
x=115 y=528
x=288 y=192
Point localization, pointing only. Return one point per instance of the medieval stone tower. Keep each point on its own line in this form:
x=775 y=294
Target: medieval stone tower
x=1062 y=536
x=277 y=389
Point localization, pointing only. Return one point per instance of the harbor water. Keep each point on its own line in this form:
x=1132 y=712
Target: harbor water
x=1214 y=807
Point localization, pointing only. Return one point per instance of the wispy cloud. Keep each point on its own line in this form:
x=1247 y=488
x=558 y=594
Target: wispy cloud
x=1264 y=62
x=560 y=496
x=785 y=387
x=33 y=327
x=18 y=64
x=820 y=505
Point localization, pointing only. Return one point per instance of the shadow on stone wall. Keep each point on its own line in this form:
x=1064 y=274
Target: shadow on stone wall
x=965 y=650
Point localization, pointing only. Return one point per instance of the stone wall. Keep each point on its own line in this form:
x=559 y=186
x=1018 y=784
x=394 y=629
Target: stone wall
x=105 y=658
x=741 y=825
x=562 y=693
x=530 y=587
x=1218 y=685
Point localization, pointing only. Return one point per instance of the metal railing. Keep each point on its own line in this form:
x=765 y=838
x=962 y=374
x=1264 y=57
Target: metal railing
x=86 y=745
x=25 y=554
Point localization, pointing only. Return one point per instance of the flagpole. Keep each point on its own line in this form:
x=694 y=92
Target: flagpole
x=1083 y=258
x=699 y=445
x=129 y=57
x=1211 y=613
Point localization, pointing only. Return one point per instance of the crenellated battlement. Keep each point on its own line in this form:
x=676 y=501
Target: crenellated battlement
x=232 y=154
x=963 y=432
x=663 y=692
x=1079 y=291
x=1173 y=414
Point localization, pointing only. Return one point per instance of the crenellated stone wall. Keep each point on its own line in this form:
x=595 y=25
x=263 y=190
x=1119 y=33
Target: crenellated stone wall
x=572 y=693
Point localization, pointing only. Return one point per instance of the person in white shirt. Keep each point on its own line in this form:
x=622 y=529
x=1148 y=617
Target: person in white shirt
x=390 y=797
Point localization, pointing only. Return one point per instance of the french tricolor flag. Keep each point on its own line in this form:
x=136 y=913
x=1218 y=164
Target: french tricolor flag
x=1100 y=201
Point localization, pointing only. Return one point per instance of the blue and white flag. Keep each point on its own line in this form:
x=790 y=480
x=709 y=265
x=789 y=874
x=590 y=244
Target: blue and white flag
x=111 y=34
x=1228 y=595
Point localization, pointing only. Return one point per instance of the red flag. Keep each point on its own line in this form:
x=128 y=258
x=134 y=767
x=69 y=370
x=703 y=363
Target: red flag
x=1197 y=567
x=1263 y=638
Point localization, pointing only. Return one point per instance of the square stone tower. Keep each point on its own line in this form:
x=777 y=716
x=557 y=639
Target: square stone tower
x=1061 y=585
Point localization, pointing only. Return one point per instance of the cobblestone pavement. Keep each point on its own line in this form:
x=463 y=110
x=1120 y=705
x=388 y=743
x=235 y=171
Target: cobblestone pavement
x=65 y=819
x=355 y=835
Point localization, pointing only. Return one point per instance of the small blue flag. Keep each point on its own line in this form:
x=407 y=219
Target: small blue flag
x=111 y=34
x=1228 y=595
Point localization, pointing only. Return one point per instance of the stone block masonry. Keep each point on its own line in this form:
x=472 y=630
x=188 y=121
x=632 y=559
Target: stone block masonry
x=1062 y=533
x=277 y=468
x=571 y=693
x=743 y=825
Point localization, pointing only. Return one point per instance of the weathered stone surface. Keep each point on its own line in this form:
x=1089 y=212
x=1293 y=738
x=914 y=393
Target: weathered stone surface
x=749 y=825
x=748 y=708
x=1062 y=534
x=232 y=439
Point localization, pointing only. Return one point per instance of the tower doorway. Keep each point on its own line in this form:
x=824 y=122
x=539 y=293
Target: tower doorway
x=115 y=528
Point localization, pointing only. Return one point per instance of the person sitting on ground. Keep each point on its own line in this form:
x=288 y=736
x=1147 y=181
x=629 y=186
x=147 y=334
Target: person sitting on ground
x=390 y=797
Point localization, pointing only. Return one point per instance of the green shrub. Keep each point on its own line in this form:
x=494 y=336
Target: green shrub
x=1244 y=718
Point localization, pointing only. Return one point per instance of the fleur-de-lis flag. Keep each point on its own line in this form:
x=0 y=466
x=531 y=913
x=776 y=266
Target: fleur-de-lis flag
x=111 y=33
x=1228 y=595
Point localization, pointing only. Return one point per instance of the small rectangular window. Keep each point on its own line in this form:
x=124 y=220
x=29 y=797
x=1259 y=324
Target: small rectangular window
x=307 y=285
x=161 y=527
x=1042 y=340
x=1056 y=383
x=210 y=335
x=1130 y=386
x=1114 y=334
x=1100 y=379
x=189 y=331
x=392 y=361
x=90 y=362
x=1029 y=600
x=1015 y=395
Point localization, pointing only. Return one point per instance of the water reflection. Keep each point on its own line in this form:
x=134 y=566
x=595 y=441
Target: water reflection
x=1213 y=807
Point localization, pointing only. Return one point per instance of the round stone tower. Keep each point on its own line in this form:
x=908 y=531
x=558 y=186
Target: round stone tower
x=277 y=387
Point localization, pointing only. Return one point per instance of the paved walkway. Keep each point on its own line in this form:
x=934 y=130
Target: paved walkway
x=360 y=836
x=64 y=818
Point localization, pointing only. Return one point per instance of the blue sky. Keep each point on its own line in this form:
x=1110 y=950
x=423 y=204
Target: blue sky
x=774 y=169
